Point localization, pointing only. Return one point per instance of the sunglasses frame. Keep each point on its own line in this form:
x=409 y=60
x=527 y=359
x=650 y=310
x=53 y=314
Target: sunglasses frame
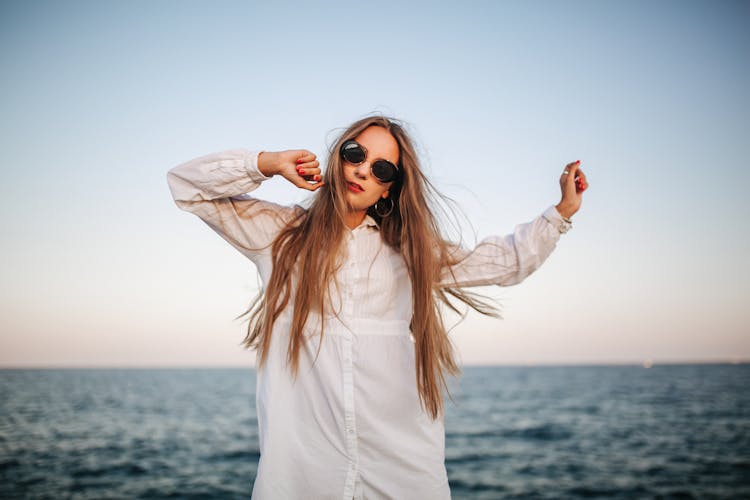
x=396 y=170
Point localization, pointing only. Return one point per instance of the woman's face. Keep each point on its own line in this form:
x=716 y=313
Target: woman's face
x=362 y=188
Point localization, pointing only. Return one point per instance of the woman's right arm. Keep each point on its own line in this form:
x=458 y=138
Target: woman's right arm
x=214 y=188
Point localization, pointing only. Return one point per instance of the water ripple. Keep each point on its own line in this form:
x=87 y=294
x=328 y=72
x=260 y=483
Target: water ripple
x=544 y=432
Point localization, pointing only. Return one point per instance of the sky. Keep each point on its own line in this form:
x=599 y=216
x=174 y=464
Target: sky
x=99 y=99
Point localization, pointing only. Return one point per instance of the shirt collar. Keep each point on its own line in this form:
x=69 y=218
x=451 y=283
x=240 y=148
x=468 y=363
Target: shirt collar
x=367 y=222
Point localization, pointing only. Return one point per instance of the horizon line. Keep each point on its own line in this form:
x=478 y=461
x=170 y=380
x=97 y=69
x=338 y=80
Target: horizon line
x=647 y=363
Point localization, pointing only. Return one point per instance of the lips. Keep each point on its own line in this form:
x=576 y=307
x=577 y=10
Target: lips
x=353 y=186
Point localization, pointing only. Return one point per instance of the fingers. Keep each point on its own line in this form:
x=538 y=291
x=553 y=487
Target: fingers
x=310 y=182
x=302 y=168
x=567 y=178
x=310 y=187
x=572 y=168
x=574 y=177
x=304 y=156
x=581 y=182
x=308 y=166
x=309 y=171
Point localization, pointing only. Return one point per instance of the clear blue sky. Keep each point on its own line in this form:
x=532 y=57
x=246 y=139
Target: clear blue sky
x=100 y=99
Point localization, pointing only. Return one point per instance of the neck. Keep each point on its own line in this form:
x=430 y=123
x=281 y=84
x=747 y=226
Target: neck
x=354 y=218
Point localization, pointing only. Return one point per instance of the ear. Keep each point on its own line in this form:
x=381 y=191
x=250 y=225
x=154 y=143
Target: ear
x=385 y=194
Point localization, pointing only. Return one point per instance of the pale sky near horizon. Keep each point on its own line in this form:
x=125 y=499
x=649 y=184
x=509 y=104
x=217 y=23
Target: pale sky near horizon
x=100 y=99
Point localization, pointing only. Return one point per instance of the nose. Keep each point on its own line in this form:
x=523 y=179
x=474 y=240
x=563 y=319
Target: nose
x=362 y=170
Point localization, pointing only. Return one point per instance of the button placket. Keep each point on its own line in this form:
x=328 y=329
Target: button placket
x=349 y=415
x=351 y=270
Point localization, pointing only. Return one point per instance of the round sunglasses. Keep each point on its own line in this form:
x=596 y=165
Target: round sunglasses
x=355 y=153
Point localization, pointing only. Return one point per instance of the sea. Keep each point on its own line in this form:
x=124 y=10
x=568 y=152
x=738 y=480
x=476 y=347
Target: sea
x=547 y=432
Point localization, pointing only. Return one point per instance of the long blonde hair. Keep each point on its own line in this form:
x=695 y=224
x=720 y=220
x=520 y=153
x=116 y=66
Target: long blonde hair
x=311 y=241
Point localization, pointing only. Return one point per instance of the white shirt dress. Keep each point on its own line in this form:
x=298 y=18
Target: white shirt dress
x=351 y=425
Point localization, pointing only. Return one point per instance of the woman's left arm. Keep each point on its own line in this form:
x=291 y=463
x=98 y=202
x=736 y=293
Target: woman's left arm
x=508 y=260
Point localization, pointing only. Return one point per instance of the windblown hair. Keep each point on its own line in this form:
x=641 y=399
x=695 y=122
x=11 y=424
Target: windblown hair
x=308 y=249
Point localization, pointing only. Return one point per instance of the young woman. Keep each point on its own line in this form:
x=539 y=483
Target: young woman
x=351 y=348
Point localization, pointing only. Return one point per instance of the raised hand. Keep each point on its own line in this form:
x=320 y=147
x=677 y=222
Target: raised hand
x=298 y=166
x=572 y=185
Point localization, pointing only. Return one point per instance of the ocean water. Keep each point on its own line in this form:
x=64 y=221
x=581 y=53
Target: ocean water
x=671 y=431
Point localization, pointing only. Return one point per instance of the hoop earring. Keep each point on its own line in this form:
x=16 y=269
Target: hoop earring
x=383 y=211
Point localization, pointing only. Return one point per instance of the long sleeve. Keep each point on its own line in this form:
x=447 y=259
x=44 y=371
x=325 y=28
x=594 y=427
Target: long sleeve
x=507 y=260
x=214 y=188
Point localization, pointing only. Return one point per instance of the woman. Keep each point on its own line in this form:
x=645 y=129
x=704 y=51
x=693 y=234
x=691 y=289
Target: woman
x=351 y=349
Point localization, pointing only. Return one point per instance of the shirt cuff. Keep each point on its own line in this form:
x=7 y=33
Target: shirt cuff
x=251 y=166
x=553 y=217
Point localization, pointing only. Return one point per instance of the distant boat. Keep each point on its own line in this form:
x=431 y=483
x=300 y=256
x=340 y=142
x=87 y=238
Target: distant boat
x=648 y=363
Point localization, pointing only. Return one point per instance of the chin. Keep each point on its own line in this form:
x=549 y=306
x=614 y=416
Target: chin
x=355 y=203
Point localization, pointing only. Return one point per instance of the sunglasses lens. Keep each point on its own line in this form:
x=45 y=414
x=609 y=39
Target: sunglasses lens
x=385 y=171
x=353 y=153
